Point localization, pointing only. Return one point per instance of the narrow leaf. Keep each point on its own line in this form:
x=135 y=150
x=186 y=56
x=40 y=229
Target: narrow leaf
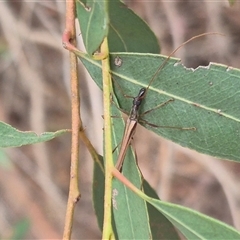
x=11 y=137
x=98 y=191
x=205 y=99
x=114 y=19
x=93 y=20
x=161 y=227
x=194 y=225
x=128 y=32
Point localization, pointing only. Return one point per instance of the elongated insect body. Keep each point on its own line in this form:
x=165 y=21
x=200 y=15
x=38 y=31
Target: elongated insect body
x=130 y=127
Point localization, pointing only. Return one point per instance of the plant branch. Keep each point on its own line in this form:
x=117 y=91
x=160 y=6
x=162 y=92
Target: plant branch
x=74 y=192
x=107 y=227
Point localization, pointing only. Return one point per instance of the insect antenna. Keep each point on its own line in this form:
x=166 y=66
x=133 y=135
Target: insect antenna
x=173 y=52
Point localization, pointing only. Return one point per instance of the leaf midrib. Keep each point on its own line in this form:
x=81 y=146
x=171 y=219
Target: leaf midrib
x=158 y=91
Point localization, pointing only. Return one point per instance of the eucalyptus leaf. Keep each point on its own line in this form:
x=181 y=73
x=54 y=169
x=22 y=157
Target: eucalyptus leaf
x=205 y=99
x=194 y=225
x=113 y=19
x=161 y=227
x=11 y=137
x=93 y=19
x=98 y=191
x=123 y=37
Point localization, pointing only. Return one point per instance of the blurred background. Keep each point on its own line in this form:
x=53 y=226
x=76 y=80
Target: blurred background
x=35 y=95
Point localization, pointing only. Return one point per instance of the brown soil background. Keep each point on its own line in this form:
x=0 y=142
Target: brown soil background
x=34 y=95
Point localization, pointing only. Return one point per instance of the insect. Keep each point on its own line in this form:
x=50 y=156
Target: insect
x=130 y=127
x=131 y=123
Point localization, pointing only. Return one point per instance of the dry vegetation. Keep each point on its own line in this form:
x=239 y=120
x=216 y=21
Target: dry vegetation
x=34 y=95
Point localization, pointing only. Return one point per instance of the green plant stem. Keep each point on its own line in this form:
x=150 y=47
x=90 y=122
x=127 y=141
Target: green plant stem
x=107 y=228
x=74 y=193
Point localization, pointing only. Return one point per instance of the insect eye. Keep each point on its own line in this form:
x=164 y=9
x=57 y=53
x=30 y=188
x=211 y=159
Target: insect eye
x=142 y=93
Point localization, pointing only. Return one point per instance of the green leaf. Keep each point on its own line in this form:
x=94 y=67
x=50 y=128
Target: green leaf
x=114 y=19
x=98 y=186
x=11 y=137
x=128 y=32
x=161 y=227
x=93 y=19
x=194 y=225
x=206 y=98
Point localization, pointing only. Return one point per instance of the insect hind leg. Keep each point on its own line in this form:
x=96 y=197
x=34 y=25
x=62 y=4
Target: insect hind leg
x=159 y=126
x=169 y=127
